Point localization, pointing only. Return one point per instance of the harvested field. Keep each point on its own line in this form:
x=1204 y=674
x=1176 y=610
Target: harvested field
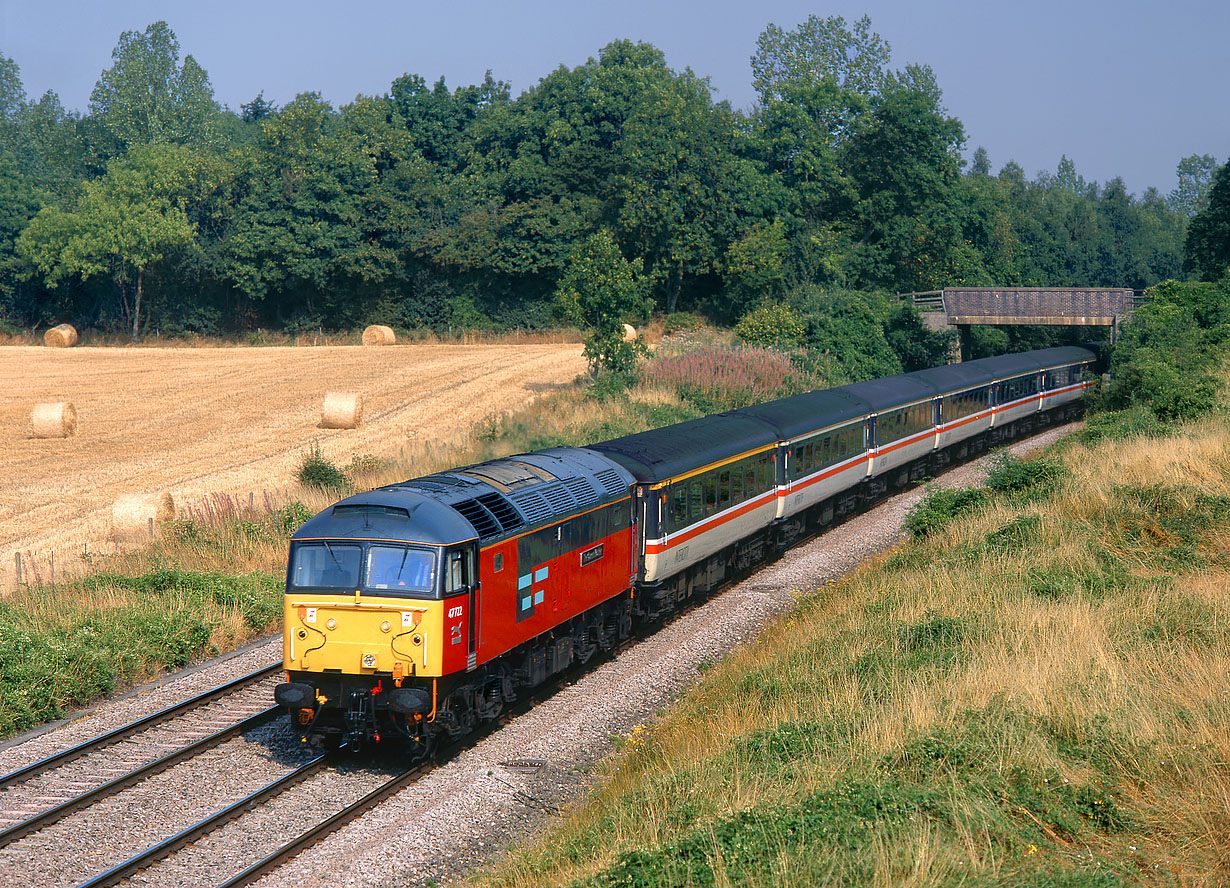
x=200 y=421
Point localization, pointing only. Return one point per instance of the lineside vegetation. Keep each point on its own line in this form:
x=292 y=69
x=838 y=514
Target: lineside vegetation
x=1034 y=694
x=1031 y=690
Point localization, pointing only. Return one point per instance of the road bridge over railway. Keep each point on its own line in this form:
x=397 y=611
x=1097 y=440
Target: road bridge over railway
x=963 y=307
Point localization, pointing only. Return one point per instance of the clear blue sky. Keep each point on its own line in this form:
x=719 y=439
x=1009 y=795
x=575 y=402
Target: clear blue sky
x=1124 y=88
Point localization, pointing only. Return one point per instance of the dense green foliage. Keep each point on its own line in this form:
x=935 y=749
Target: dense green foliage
x=1168 y=354
x=437 y=207
x=162 y=619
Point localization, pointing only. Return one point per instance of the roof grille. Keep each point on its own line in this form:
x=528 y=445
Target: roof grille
x=503 y=512
x=449 y=480
x=557 y=495
x=584 y=492
x=613 y=484
x=533 y=504
x=484 y=522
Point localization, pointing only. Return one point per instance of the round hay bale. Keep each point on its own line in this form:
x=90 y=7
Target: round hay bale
x=341 y=411
x=630 y=333
x=63 y=336
x=58 y=420
x=132 y=513
x=378 y=334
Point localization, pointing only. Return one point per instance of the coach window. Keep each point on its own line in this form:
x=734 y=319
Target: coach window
x=696 y=500
x=710 y=494
x=736 y=484
x=749 y=478
x=724 y=488
x=679 y=509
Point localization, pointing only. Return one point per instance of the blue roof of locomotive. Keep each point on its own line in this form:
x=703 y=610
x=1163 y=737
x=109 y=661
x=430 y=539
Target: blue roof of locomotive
x=679 y=449
x=389 y=514
x=491 y=500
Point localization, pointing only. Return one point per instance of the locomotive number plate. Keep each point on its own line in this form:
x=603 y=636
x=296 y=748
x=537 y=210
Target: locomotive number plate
x=589 y=556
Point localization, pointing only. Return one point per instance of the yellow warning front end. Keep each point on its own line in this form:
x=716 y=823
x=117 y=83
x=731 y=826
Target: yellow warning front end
x=363 y=635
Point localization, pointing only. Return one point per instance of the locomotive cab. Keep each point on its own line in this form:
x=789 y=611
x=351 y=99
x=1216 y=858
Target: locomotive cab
x=378 y=607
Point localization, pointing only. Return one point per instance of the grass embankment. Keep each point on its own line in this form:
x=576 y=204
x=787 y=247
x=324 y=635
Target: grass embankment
x=214 y=580
x=1034 y=690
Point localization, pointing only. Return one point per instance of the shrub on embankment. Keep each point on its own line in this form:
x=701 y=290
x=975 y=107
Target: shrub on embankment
x=1032 y=693
x=66 y=645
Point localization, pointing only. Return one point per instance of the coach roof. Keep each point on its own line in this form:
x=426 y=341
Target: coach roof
x=660 y=454
x=801 y=414
x=889 y=392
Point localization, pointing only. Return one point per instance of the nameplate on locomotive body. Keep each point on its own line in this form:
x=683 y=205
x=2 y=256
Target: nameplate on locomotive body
x=589 y=556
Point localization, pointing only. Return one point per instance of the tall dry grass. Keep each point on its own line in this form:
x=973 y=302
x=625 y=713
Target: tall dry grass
x=1038 y=694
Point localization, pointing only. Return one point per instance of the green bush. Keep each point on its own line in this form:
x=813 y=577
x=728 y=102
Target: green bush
x=1139 y=420
x=681 y=322
x=939 y=507
x=1167 y=353
x=772 y=326
x=1025 y=480
x=316 y=471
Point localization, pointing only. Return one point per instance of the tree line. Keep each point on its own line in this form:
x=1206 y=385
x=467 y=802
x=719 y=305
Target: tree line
x=160 y=210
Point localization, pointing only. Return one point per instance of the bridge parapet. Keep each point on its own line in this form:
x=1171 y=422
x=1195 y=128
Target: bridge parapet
x=1102 y=307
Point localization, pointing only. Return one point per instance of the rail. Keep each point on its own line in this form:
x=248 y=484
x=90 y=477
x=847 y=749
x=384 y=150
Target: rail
x=111 y=787
x=121 y=733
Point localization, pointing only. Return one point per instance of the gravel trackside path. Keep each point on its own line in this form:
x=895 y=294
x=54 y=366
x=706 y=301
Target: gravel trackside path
x=196 y=421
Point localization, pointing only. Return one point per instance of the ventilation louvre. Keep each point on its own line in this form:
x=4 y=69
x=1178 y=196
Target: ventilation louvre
x=503 y=512
x=484 y=522
x=583 y=491
x=559 y=498
x=612 y=483
x=533 y=504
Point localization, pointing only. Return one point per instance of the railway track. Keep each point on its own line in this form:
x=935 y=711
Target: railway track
x=47 y=790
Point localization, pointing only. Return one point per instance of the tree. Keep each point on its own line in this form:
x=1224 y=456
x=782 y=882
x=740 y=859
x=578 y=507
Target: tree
x=754 y=268
x=981 y=165
x=147 y=98
x=133 y=216
x=819 y=49
x=600 y=292
x=257 y=109
x=12 y=92
x=1195 y=174
x=1207 y=247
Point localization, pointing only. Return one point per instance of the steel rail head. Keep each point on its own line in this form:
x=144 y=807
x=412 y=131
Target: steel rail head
x=131 y=728
x=323 y=829
x=168 y=846
x=111 y=787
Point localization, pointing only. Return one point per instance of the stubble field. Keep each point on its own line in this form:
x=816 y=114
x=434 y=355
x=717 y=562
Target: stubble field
x=199 y=421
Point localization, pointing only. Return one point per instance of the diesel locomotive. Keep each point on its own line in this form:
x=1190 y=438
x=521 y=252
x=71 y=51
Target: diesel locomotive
x=417 y=610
